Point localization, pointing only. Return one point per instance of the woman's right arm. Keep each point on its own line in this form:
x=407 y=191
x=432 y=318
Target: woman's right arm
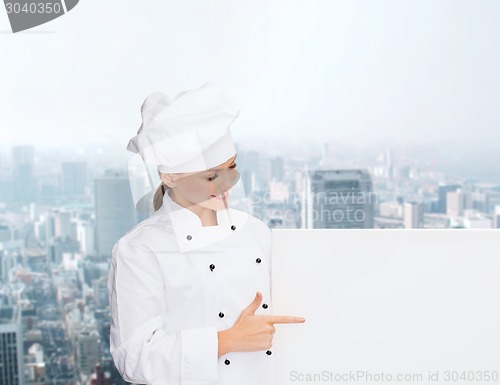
x=142 y=350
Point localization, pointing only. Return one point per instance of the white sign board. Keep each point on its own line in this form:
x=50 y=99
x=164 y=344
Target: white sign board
x=394 y=305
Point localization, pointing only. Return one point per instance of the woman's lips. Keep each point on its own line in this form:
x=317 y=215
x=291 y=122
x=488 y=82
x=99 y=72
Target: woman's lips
x=222 y=196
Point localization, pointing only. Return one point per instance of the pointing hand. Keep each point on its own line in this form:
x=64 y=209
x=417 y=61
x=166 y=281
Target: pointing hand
x=251 y=332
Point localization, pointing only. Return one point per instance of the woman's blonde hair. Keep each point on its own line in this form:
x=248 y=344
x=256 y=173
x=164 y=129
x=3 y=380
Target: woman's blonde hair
x=158 y=197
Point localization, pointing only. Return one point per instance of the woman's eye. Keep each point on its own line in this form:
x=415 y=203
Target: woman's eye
x=211 y=178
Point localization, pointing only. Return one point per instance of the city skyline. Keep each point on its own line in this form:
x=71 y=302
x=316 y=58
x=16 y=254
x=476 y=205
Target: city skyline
x=455 y=159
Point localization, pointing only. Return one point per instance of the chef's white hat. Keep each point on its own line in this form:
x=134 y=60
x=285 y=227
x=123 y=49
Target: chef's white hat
x=188 y=133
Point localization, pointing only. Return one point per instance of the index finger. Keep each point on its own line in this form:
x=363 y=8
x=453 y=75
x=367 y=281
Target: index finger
x=284 y=319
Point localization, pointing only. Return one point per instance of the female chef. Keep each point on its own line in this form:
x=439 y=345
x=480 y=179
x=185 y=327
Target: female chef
x=189 y=287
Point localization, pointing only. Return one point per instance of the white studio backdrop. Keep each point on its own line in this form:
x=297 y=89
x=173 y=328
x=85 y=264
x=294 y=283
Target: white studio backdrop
x=418 y=305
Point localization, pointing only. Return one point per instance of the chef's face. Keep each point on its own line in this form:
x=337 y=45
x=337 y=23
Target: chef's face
x=210 y=188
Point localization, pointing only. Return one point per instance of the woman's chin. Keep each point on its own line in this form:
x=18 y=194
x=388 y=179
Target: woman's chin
x=214 y=204
x=217 y=205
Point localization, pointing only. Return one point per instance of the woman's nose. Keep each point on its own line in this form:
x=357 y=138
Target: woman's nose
x=227 y=181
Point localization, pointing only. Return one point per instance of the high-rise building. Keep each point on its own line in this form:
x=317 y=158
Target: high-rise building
x=9 y=252
x=100 y=289
x=496 y=217
x=413 y=215
x=442 y=191
x=389 y=167
x=86 y=237
x=62 y=223
x=87 y=351
x=250 y=168
x=248 y=180
x=23 y=173
x=277 y=170
x=337 y=199
x=456 y=203
x=479 y=201
x=114 y=209
x=5 y=233
x=11 y=346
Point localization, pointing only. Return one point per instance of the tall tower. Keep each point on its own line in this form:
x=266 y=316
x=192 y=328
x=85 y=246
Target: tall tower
x=11 y=346
x=87 y=351
x=337 y=199
x=496 y=217
x=277 y=170
x=455 y=203
x=114 y=209
x=23 y=173
x=389 y=164
x=442 y=191
x=413 y=215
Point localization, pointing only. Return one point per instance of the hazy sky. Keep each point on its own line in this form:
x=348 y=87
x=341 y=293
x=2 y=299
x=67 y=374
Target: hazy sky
x=350 y=71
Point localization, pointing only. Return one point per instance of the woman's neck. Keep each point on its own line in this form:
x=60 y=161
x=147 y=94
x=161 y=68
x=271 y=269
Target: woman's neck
x=208 y=217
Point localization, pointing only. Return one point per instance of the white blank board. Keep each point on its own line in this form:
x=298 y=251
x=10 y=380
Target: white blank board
x=421 y=306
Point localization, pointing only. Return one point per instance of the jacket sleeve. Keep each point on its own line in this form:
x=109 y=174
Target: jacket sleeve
x=142 y=350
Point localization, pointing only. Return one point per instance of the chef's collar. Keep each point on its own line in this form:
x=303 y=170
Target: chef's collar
x=189 y=231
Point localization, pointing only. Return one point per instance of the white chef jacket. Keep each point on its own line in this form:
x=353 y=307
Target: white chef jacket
x=174 y=283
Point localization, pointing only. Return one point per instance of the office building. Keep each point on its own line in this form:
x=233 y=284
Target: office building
x=11 y=346
x=413 y=215
x=114 y=209
x=337 y=199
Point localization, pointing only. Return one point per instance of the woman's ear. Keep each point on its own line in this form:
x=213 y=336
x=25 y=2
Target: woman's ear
x=168 y=179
